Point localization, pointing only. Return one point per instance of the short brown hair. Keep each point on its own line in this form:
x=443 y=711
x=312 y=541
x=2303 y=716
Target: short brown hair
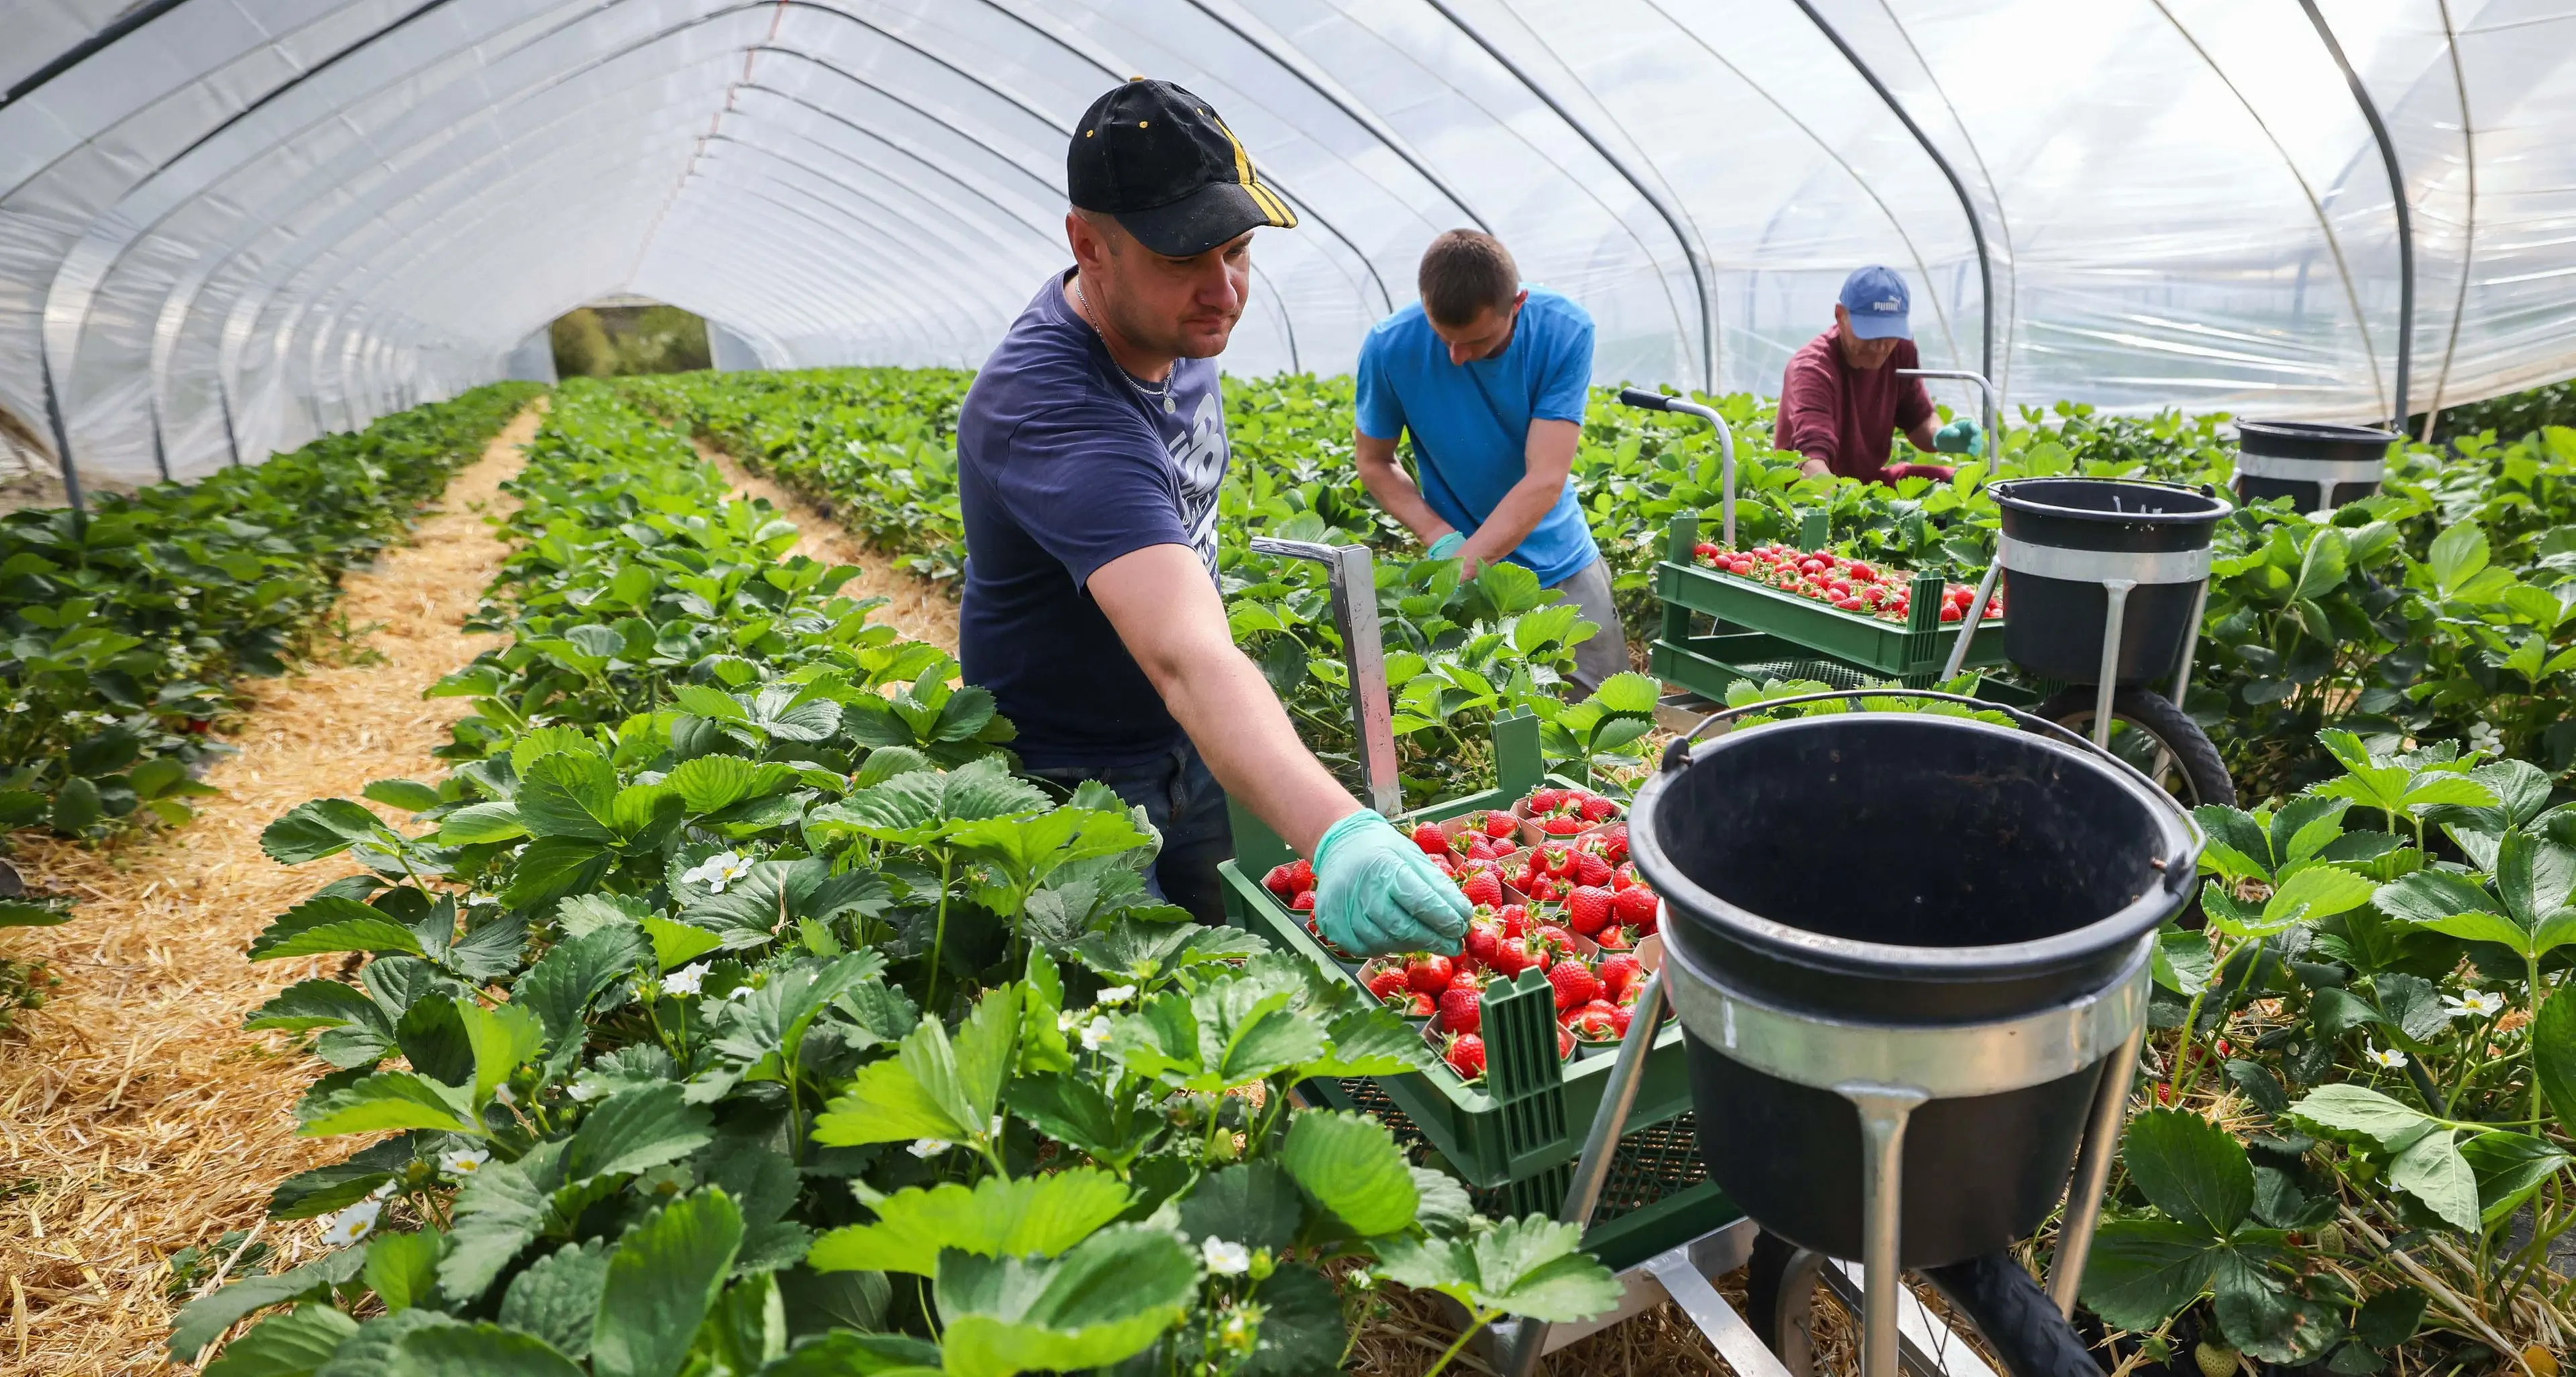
x=1465 y=273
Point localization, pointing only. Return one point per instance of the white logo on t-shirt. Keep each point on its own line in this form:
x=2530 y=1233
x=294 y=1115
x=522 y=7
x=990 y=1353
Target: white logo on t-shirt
x=1198 y=458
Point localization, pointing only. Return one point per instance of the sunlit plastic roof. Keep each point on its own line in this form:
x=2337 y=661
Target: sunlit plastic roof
x=284 y=216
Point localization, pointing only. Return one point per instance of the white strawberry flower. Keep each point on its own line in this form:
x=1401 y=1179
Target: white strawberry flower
x=17 y=705
x=384 y=1190
x=1225 y=1259
x=927 y=1148
x=2385 y=1058
x=463 y=1162
x=717 y=871
x=2474 y=1004
x=1117 y=994
x=1097 y=1034
x=352 y=1224
x=581 y=1091
x=1065 y=1019
x=686 y=980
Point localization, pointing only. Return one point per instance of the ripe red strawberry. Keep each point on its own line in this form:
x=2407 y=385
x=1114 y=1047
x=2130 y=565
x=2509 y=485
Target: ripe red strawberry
x=1544 y=889
x=1587 y=909
x=1484 y=936
x=1613 y=841
x=1637 y=907
x=1423 y=1006
x=1480 y=847
x=1590 y=869
x=1428 y=974
x=1279 y=883
x=1598 y=809
x=1558 y=859
x=1556 y=936
x=1301 y=874
x=1512 y=957
x=1466 y=1056
x=1561 y=826
x=1482 y=888
x=1575 y=984
x=1622 y=877
x=1499 y=824
x=1619 y=1019
x=1564 y=1044
x=1546 y=801
x=1592 y=1023
x=1462 y=1007
x=1304 y=902
x=1612 y=938
x=1431 y=839
x=1388 y=982
x=1618 y=973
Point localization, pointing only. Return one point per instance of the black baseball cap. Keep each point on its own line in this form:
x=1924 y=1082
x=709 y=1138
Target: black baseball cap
x=1157 y=160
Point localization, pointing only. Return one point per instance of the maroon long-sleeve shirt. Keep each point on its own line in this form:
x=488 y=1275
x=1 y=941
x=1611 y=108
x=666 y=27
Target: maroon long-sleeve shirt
x=1845 y=416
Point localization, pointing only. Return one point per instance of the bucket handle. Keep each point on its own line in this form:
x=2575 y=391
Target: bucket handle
x=2176 y=877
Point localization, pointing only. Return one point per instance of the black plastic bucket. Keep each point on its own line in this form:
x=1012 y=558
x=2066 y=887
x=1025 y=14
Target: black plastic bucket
x=1902 y=871
x=2310 y=463
x=2053 y=628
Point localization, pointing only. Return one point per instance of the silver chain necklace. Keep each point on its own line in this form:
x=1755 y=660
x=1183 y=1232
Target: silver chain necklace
x=1162 y=391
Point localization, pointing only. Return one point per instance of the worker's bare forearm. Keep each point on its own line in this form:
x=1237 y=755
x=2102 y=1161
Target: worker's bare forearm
x=1227 y=708
x=1926 y=438
x=1392 y=488
x=1512 y=520
x=1168 y=615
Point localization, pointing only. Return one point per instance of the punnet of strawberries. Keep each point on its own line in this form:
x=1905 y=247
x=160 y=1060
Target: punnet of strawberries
x=1852 y=585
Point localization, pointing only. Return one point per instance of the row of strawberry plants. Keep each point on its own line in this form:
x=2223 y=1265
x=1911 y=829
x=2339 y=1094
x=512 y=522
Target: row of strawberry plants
x=2364 y=1082
x=874 y=448
x=126 y=626
x=752 y=1016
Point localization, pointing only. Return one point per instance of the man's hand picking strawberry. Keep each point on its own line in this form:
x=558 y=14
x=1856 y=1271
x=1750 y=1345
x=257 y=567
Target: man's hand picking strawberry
x=1377 y=891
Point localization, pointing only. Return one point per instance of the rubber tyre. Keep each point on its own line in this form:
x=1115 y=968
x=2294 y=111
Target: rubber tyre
x=2016 y=1319
x=2203 y=773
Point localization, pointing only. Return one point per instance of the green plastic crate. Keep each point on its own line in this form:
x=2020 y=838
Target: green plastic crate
x=1802 y=628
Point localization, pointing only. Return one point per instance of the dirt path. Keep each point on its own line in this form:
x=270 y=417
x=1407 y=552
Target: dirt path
x=915 y=607
x=136 y=1117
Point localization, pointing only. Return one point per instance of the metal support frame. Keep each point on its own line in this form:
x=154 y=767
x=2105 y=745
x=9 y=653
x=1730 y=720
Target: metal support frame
x=62 y=438
x=160 y=447
x=1985 y=387
x=1692 y=251
x=1976 y=222
x=1354 y=595
x=2396 y=199
x=1656 y=401
x=224 y=403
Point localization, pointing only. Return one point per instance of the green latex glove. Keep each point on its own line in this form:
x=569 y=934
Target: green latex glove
x=1375 y=892
x=1446 y=547
x=1961 y=436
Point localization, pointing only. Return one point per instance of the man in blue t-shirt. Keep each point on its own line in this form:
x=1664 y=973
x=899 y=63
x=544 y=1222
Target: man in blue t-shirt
x=1089 y=454
x=1490 y=378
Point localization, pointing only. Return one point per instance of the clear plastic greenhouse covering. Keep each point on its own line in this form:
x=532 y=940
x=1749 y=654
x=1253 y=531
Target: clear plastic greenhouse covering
x=226 y=225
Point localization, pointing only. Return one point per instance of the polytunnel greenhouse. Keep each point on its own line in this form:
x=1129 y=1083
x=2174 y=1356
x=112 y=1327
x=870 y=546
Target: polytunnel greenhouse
x=1249 y=688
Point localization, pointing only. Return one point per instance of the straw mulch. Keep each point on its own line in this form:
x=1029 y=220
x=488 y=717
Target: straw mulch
x=914 y=606
x=136 y=1117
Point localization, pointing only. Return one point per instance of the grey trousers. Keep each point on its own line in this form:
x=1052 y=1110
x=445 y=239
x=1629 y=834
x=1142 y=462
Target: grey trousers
x=1607 y=652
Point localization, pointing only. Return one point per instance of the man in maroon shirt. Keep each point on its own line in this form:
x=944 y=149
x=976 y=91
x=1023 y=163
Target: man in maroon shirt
x=1841 y=401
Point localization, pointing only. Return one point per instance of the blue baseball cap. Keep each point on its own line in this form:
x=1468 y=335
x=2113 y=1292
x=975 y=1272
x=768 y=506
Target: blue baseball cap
x=1877 y=300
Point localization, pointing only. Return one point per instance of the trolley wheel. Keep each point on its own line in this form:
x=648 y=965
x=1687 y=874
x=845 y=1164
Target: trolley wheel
x=1780 y=1300
x=2018 y=1322
x=2149 y=732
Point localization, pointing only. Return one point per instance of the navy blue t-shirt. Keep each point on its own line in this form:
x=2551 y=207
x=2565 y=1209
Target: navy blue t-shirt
x=1065 y=463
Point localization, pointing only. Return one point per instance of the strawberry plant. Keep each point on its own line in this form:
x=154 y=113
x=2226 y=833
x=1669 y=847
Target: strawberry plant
x=733 y=1008
x=125 y=627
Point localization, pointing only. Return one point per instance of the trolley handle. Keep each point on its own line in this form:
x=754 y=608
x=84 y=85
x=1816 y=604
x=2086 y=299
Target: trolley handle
x=1644 y=400
x=2176 y=877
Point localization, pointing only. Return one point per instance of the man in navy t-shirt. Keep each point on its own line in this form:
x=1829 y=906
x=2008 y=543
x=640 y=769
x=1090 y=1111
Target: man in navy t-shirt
x=1089 y=454
x=1490 y=378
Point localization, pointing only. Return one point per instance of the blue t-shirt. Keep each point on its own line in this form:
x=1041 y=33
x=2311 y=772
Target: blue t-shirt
x=1470 y=422
x=1065 y=463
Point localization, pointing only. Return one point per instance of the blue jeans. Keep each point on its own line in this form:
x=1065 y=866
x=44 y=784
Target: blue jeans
x=1185 y=804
